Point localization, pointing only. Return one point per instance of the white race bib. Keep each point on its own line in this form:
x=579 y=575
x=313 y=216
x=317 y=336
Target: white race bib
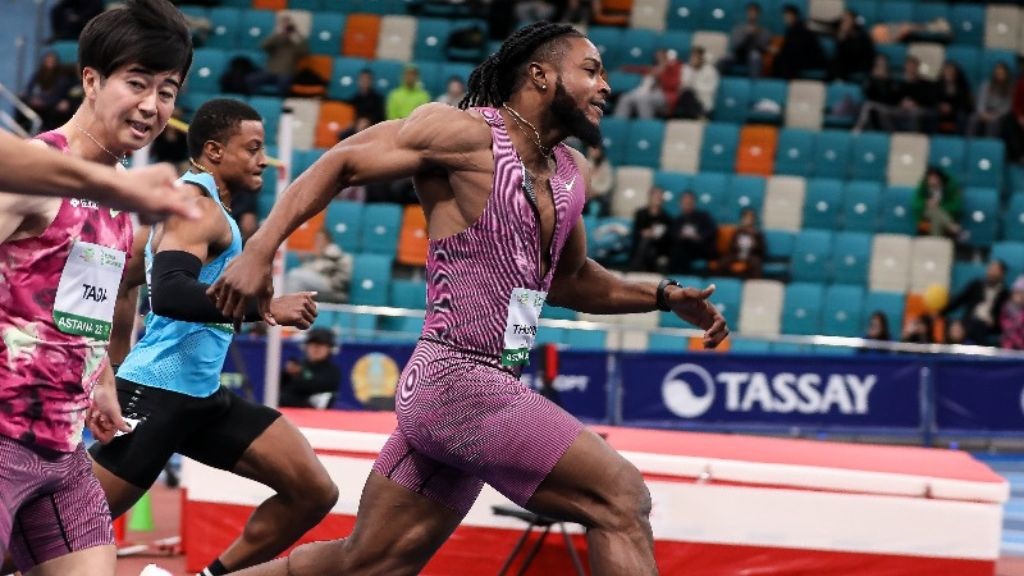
x=524 y=307
x=87 y=290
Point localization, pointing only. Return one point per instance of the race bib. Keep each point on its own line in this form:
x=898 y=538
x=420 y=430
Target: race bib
x=87 y=290
x=524 y=308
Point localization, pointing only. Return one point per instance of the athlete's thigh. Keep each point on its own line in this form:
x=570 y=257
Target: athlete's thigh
x=20 y=477
x=281 y=458
x=226 y=429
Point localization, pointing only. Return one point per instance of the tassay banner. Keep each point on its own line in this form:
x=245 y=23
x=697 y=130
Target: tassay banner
x=704 y=390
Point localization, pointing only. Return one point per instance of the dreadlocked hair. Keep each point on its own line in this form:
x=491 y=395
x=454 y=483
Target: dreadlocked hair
x=493 y=81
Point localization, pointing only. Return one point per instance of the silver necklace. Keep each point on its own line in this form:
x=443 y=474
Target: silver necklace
x=519 y=120
x=123 y=160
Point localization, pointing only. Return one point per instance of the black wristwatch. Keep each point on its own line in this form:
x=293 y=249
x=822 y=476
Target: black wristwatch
x=659 y=300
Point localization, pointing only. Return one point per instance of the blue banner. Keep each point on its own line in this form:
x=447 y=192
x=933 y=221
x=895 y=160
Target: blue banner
x=717 y=391
x=980 y=396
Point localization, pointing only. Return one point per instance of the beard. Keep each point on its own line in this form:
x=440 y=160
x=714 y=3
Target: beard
x=574 y=119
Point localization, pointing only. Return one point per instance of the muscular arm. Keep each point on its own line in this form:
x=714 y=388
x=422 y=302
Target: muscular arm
x=127 y=303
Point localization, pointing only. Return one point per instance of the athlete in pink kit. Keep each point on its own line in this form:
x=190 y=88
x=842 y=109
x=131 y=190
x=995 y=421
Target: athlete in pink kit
x=61 y=265
x=503 y=198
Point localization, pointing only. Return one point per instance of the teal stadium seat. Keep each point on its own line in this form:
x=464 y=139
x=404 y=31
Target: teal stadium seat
x=557 y=313
x=326 y=34
x=778 y=252
x=861 y=201
x=622 y=82
x=867 y=10
x=963 y=274
x=896 y=11
x=892 y=304
x=431 y=38
x=726 y=298
x=851 y=254
x=667 y=343
x=980 y=216
x=371 y=279
x=835 y=93
x=801 y=309
x=969 y=60
x=613 y=133
x=256 y=26
x=1013 y=218
x=712 y=192
x=344 y=79
x=311 y=5
x=344 y=220
x=812 y=250
x=66 y=51
x=869 y=157
x=718 y=150
x=746 y=192
x=226 y=25
x=968 y=21
x=644 y=140
x=823 y=203
x=207 y=66
x=411 y=294
x=678 y=40
x=767 y=89
x=748 y=346
x=732 y=101
x=832 y=154
x=843 y=311
x=381 y=226
x=684 y=15
x=586 y=339
x=718 y=15
x=1012 y=253
x=608 y=41
x=897 y=212
x=387 y=74
x=948 y=153
x=985 y=160
x=636 y=47
x=269 y=108
x=795 y=152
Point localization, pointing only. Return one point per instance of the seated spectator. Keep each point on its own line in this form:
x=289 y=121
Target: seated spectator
x=915 y=103
x=235 y=78
x=657 y=93
x=954 y=99
x=650 y=233
x=69 y=17
x=408 y=96
x=745 y=256
x=284 y=48
x=1011 y=319
x=1013 y=127
x=454 y=92
x=47 y=92
x=878 y=327
x=602 y=180
x=367 y=102
x=700 y=84
x=855 y=52
x=920 y=330
x=692 y=236
x=801 y=50
x=312 y=381
x=982 y=301
x=995 y=99
x=937 y=204
x=361 y=123
x=328 y=272
x=956 y=333
x=748 y=43
x=879 y=91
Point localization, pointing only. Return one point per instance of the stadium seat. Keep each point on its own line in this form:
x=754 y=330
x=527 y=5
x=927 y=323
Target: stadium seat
x=344 y=221
x=835 y=93
x=764 y=91
x=825 y=10
x=969 y=23
x=963 y=274
x=778 y=252
x=832 y=154
x=891 y=304
x=648 y=15
x=843 y=311
x=305 y=112
x=1013 y=218
x=311 y=5
x=794 y=152
x=322 y=66
x=712 y=191
x=756 y=152
x=718 y=15
x=931 y=260
x=461 y=70
x=908 y=158
x=745 y=192
x=801 y=311
x=897 y=213
x=207 y=66
x=667 y=343
x=985 y=159
x=771 y=14
x=869 y=156
x=387 y=74
x=948 y=153
x=361 y=35
x=644 y=142
x=431 y=39
x=861 y=201
x=896 y=11
x=681 y=149
x=549 y=335
x=718 y=149
x=613 y=134
x=66 y=51
x=632 y=188
x=399 y=330
x=969 y=60
x=677 y=41
x=761 y=309
x=896 y=53
x=732 y=100
x=1002 y=27
x=867 y=10
x=380 y=232
x=715 y=44
x=328 y=30
x=226 y=24
x=805 y=104
x=413 y=243
x=925 y=12
x=608 y=42
x=586 y=339
x=622 y=82
x=890 y=263
x=989 y=59
x=674 y=184
x=397 y=37
x=343 y=85
x=823 y=203
x=851 y=253
x=1012 y=253
x=636 y=48
x=784 y=203
x=980 y=215
x=931 y=55
x=410 y=294
x=811 y=252
x=334 y=117
x=270 y=110
x=684 y=15
x=749 y=346
x=371 y=280
x=728 y=292
x=303 y=239
x=256 y=26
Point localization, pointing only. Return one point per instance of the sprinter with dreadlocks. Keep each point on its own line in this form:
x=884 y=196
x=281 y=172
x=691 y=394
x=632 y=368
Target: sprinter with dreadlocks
x=503 y=197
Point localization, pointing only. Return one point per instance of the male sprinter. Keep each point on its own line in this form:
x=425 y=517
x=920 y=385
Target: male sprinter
x=503 y=196
x=61 y=262
x=34 y=170
x=170 y=381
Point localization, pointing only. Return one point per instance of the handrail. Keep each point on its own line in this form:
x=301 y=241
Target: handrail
x=817 y=340
x=29 y=113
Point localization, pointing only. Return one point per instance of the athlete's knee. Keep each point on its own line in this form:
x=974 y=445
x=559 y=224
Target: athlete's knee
x=405 y=554
x=628 y=506
x=318 y=559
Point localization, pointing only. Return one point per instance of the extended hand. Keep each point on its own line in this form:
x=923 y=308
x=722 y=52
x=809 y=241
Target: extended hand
x=247 y=276
x=297 y=310
x=692 y=305
x=152 y=192
x=104 y=414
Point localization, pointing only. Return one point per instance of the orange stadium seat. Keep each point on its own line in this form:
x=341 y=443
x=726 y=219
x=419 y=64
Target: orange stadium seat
x=304 y=237
x=915 y=308
x=412 y=239
x=361 y=33
x=270 y=4
x=757 y=147
x=323 y=66
x=334 y=117
x=612 y=12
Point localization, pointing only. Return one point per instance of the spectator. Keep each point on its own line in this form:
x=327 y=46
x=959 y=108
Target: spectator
x=656 y=93
x=801 y=50
x=171 y=145
x=367 y=102
x=602 y=180
x=328 y=271
x=530 y=11
x=47 y=92
x=914 y=107
x=235 y=79
x=748 y=43
x=408 y=96
x=284 y=48
x=700 y=84
x=878 y=327
x=920 y=330
x=937 y=204
x=454 y=92
x=954 y=99
x=880 y=93
x=1012 y=318
x=956 y=333
x=745 y=255
x=650 y=232
x=69 y=17
x=982 y=300
x=692 y=236
x=995 y=99
x=855 y=52
x=361 y=123
x=312 y=381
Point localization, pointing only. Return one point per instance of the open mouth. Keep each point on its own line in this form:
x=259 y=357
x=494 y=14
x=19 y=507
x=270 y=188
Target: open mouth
x=599 y=107
x=140 y=129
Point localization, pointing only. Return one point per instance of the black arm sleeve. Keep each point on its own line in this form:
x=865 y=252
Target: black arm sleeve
x=177 y=293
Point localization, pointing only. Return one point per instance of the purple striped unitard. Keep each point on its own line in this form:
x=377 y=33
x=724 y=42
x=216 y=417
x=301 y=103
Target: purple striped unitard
x=464 y=418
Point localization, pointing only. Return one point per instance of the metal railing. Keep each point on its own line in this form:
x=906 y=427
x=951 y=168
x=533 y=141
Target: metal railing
x=9 y=122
